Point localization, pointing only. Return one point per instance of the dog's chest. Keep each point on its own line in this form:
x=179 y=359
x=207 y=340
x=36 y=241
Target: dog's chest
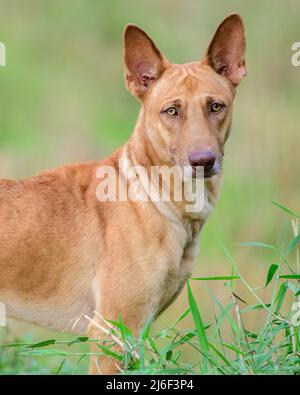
x=178 y=266
x=177 y=263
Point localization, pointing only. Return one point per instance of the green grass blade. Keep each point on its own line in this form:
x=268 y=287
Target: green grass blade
x=280 y=297
x=293 y=288
x=42 y=344
x=290 y=276
x=292 y=245
x=199 y=326
x=284 y=208
x=43 y=353
x=258 y=244
x=181 y=317
x=146 y=330
x=272 y=270
x=215 y=278
x=254 y=307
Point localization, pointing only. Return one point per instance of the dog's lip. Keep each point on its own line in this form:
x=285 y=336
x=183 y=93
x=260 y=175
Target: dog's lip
x=207 y=174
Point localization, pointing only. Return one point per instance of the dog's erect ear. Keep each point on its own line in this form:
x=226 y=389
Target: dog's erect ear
x=143 y=62
x=226 y=52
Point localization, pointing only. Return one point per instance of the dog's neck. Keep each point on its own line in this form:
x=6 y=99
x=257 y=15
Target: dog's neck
x=144 y=148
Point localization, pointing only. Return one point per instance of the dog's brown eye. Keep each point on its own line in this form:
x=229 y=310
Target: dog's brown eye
x=172 y=111
x=216 y=107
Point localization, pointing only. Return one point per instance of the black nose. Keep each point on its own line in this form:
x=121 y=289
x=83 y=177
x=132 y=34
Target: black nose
x=203 y=158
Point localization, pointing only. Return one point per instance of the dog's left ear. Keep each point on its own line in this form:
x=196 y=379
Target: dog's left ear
x=144 y=63
x=226 y=52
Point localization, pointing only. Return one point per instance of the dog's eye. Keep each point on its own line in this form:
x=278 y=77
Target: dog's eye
x=172 y=111
x=216 y=107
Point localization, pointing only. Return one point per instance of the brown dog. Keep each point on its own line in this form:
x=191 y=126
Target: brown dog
x=64 y=253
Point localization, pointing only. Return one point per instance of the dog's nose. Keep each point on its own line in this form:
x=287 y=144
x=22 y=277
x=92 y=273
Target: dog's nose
x=203 y=158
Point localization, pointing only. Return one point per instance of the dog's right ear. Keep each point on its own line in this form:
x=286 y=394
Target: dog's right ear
x=143 y=62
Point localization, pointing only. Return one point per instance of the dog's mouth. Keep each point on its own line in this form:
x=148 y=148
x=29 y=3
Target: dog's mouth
x=198 y=172
x=206 y=173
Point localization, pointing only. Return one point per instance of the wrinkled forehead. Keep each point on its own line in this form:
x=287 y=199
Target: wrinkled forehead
x=191 y=81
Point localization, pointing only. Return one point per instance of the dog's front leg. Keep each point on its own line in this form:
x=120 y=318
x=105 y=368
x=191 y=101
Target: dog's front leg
x=103 y=335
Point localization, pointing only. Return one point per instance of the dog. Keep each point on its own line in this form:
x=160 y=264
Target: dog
x=64 y=253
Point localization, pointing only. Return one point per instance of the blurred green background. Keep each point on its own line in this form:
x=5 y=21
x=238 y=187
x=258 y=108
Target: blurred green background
x=62 y=100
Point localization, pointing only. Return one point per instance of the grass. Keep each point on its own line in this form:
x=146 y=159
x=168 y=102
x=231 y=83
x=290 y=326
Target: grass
x=274 y=348
x=63 y=100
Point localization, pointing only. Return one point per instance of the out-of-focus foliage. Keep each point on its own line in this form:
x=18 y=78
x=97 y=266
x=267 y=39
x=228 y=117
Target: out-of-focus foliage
x=62 y=100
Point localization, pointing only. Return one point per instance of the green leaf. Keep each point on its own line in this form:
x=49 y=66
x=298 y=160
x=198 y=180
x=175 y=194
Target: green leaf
x=258 y=244
x=224 y=313
x=280 y=297
x=80 y=339
x=61 y=366
x=171 y=346
x=109 y=352
x=292 y=245
x=254 y=307
x=169 y=355
x=235 y=349
x=227 y=254
x=293 y=288
x=42 y=353
x=15 y=345
x=141 y=355
x=250 y=334
x=284 y=208
x=221 y=356
x=144 y=334
x=175 y=371
x=177 y=356
x=42 y=344
x=215 y=278
x=146 y=330
x=232 y=280
x=180 y=318
x=272 y=270
x=288 y=276
x=126 y=336
x=153 y=346
x=81 y=358
x=199 y=326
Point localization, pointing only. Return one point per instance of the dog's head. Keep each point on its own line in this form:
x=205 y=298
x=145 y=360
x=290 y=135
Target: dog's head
x=187 y=108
